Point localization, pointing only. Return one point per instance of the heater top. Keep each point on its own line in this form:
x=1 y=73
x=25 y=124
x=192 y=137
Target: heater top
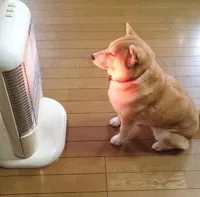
x=15 y=19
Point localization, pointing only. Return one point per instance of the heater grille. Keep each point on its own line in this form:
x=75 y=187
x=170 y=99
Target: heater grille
x=20 y=99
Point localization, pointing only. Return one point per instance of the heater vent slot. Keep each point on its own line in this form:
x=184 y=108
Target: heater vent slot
x=20 y=99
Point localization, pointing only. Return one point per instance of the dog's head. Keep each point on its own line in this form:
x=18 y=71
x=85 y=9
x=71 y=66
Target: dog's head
x=126 y=57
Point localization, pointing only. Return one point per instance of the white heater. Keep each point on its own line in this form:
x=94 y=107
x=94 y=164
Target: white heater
x=32 y=128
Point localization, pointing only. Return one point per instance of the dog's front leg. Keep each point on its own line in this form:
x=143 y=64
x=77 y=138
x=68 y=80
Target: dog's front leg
x=126 y=126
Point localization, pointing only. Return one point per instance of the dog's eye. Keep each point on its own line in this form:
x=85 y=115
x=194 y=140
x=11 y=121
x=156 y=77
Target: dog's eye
x=111 y=54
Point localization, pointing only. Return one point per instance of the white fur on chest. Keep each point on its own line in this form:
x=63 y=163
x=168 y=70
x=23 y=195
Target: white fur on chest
x=118 y=100
x=121 y=99
x=128 y=102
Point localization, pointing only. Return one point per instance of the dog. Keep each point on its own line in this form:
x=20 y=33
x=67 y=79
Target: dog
x=143 y=94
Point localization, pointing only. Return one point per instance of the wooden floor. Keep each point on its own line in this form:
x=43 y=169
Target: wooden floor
x=68 y=31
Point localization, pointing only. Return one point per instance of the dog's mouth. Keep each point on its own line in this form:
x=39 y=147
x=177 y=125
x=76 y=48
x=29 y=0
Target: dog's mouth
x=99 y=64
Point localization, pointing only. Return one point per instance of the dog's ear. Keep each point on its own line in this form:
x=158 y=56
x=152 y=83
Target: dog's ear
x=129 y=30
x=133 y=55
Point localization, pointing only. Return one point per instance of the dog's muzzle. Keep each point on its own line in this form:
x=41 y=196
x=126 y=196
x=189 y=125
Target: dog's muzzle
x=92 y=57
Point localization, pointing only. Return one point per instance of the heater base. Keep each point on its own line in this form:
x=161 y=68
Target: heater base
x=51 y=131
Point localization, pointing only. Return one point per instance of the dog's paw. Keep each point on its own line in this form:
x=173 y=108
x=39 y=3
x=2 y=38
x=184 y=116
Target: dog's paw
x=115 y=122
x=117 y=140
x=158 y=146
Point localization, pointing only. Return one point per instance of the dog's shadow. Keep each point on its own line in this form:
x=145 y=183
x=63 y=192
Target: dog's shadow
x=140 y=144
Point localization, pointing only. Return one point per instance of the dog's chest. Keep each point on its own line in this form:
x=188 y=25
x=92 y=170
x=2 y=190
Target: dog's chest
x=120 y=100
x=116 y=99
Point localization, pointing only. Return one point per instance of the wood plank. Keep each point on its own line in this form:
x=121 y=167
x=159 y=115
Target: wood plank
x=153 y=164
x=66 y=53
x=68 y=73
x=86 y=13
x=96 y=94
x=91 y=119
x=182 y=71
x=189 y=81
x=183 y=19
x=84 y=53
x=81 y=134
x=116 y=28
x=175 y=5
x=104 y=12
x=196 y=102
x=76 y=134
x=178 y=1
x=62 y=167
x=102 y=20
x=66 y=63
x=108 y=5
x=172 y=10
x=87 y=63
x=91 y=194
x=88 y=107
x=99 y=83
x=144 y=181
x=129 y=148
x=93 y=83
x=173 y=42
x=92 y=31
x=104 y=148
x=73 y=44
x=77 y=6
x=141 y=19
x=85 y=94
x=194 y=92
x=179 y=51
x=178 y=61
x=104 y=133
x=52 y=184
x=157 y=193
x=87 y=44
x=192 y=179
x=64 y=35
x=78 y=1
x=111 y=5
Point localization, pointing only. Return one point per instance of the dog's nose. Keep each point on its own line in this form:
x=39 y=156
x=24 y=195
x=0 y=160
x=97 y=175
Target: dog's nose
x=92 y=57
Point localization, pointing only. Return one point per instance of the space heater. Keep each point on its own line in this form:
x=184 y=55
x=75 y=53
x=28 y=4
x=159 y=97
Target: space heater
x=32 y=127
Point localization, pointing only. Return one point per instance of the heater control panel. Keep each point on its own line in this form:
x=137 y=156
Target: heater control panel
x=14 y=24
x=10 y=10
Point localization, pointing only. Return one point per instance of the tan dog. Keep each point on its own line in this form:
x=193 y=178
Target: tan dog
x=143 y=94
